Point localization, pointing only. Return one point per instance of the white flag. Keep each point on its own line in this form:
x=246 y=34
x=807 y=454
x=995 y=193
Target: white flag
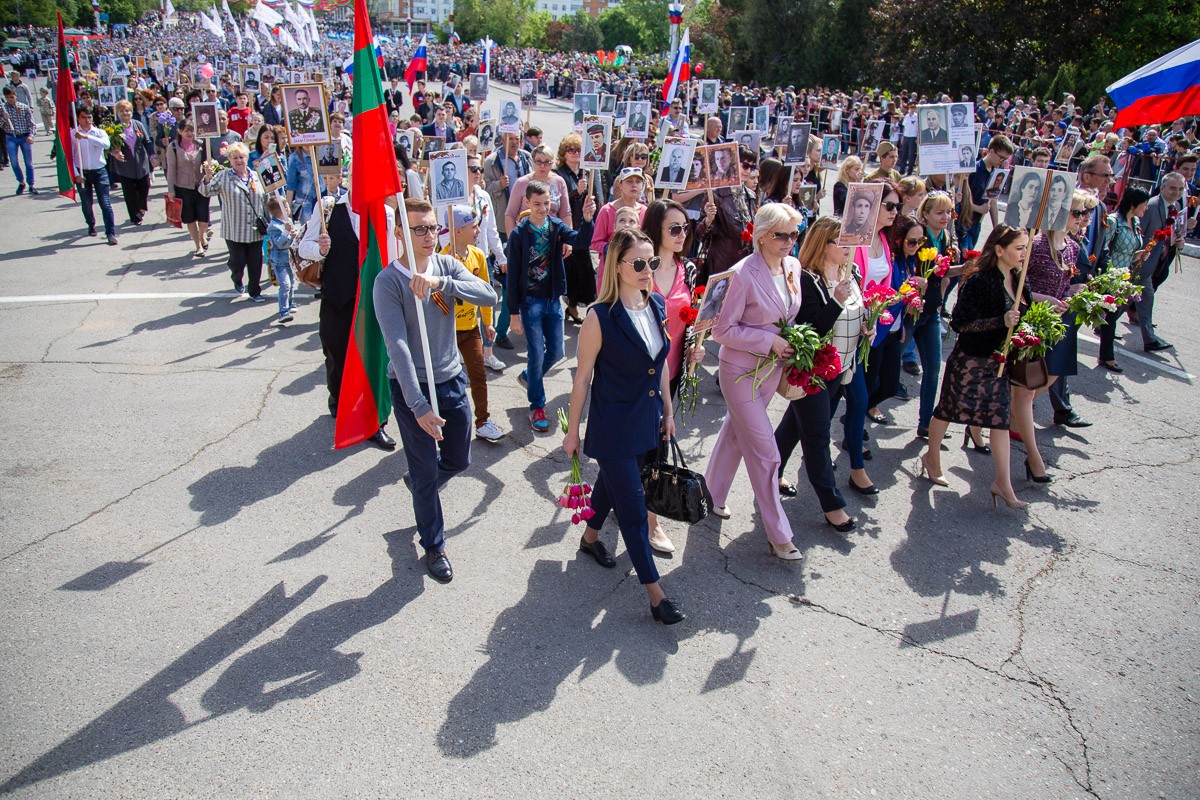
x=288 y=40
x=253 y=39
x=232 y=22
x=217 y=28
x=312 y=26
x=266 y=15
x=208 y=25
x=168 y=10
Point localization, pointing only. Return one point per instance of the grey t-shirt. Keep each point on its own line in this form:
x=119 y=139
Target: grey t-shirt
x=396 y=309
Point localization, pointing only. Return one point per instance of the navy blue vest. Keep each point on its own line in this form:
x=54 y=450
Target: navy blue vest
x=625 y=414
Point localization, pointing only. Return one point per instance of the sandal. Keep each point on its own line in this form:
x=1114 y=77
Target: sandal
x=878 y=419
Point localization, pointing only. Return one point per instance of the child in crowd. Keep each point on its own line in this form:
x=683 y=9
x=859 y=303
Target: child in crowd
x=281 y=236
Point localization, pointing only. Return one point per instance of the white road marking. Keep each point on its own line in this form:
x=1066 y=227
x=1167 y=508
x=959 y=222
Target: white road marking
x=1149 y=362
x=78 y=298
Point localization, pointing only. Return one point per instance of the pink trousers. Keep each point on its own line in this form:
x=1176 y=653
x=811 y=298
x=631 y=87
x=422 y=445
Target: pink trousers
x=747 y=434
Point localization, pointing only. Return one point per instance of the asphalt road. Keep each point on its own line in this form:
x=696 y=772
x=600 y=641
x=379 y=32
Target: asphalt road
x=202 y=599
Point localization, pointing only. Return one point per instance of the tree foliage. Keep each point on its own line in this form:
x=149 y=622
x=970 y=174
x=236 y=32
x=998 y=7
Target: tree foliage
x=500 y=19
x=584 y=33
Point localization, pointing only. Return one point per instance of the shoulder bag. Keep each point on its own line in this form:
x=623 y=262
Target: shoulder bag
x=674 y=491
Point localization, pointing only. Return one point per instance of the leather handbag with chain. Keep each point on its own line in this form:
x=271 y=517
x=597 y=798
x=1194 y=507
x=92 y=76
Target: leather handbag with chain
x=674 y=491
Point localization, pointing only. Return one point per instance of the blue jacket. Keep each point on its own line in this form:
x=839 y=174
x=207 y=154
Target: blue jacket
x=901 y=269
x=625 y=413
x=281 y=242
x=520 y=244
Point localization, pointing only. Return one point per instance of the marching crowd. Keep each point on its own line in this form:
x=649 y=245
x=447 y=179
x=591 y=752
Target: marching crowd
x=542 y=241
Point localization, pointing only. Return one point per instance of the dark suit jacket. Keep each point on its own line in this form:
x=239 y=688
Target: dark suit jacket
x=137 y=158
x=675 y=175
x=270 y=115
x=942 y=137
x=393 y=99
x=428 y=130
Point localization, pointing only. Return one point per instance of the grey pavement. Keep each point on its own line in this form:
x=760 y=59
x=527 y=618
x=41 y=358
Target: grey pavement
x=202 y=599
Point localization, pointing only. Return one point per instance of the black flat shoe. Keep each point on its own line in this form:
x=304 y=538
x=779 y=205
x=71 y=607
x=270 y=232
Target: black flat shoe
x=382 y=440
x=841 y=527
x=867 y=490
x=1111 y=366
x=787 y=490
x=439 y=567
x=666 y=613
x=1158 y=346
x=1071 y=420
x=503 y=343
x=1035 y=478
x=598 y=551
x=978 y=448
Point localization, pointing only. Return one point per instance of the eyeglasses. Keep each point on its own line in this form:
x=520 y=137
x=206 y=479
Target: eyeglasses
x=913 y=242
x=785 y=236
x=423 y=230
x=676 y=230
x=1109 y=175
x=475 y=170
x=640 y=264
x=541 y=162
x=890 y=206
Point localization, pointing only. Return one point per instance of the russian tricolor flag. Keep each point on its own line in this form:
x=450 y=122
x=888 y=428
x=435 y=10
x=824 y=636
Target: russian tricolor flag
x=419 y=63
x=487 y=44
x=454 y=37
x=675 y=12
x=1162 y=91
x=681 y=69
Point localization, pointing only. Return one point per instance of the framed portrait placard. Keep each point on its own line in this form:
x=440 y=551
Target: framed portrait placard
x=585 y=105
x=724 y=169
x=270 y=170
x=637 y=120
x=597 y=133
x=714 y=301
x=709 y=102
x=529 y=92
x=448 y=177
x=305 y=114
x=946 y=138
x=675 y=164
x=1025 y=199
x=329 y=162
x=510 y=117
x=862 y=210
x=478 y=87
x=204 y=117
x=698 y=170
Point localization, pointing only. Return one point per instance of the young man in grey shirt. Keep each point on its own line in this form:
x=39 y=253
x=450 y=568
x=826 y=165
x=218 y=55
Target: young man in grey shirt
x=437 y=447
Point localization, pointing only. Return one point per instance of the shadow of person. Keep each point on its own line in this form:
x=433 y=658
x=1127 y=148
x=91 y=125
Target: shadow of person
x=306 y=659
x=527 y=663
x=148 y=715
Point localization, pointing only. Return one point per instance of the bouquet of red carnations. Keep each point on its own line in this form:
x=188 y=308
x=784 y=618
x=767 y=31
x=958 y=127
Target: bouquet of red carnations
x=876 y=299
x=689 y=384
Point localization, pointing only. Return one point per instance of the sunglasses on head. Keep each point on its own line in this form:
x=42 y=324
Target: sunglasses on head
x=640 y=264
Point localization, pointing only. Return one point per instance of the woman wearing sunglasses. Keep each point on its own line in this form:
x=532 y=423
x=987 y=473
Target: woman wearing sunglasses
x=764 y=289
x=829 y=301
x=581 y=275
x=622 y=355
x=1051 y=260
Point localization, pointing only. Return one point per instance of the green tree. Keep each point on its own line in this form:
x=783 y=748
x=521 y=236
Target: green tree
x=618 y=27
x=584 y=33
x=533 y=29
x=500 y=19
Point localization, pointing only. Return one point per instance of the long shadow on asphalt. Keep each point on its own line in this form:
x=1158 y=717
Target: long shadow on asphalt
x=148 y=715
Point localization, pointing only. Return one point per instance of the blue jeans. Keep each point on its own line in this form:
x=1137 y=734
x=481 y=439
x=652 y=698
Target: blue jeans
x=856 y=413
x=287 y=281
x=928 y=336
x=543 y=321
x=909 y=356
x=22 y=146
x=95 y=182
x=432 y=463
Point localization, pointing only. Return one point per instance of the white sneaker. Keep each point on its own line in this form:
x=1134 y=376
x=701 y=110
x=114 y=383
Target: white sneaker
x=489 y=431
x=493 y=363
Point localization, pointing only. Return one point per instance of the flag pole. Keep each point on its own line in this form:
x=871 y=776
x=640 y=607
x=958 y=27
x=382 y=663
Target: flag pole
x=412 y=263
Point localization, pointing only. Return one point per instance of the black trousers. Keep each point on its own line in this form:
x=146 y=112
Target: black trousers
x=246 y=257
x=806 y=422
x=1108 y=335
x=334 y=329
x=137 y=196
x=883 y=369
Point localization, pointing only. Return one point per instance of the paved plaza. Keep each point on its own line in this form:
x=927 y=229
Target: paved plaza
x=202 y=599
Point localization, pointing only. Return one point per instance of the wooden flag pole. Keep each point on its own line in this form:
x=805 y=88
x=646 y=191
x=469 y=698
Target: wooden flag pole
x=1020 y=289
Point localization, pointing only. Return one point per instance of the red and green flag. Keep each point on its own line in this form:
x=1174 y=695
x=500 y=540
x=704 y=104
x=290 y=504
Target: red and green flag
x=64 y=116
x=365 y=399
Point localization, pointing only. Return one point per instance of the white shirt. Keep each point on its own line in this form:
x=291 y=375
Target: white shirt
x=910 y=125
x=647 y=327
x=781 y=287
x=877 y=269
x=311 y=251
x=89 y=152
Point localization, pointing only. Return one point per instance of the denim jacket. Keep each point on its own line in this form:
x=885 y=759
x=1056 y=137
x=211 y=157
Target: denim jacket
x=281 y=241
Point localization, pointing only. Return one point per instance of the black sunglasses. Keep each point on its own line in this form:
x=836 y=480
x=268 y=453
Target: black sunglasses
x=913 y=242
x=475 y=170
x=890 y=206
x=676 y=230
x=640 y=264
x=784 y=236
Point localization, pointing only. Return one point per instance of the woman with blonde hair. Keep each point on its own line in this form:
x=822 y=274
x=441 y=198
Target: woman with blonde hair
x=630 y=407
x=850 y=172
x=912 y=192
x=635 y=154
x=242 y=207
x=581 y=275
x=764 y=289
x=829 y=301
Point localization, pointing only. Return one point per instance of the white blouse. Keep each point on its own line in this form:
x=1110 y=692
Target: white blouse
x=647 y=327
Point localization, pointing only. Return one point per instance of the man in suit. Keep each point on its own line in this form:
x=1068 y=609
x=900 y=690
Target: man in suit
x=303 y=118
x=439 y=126
x=393 y=97
x=460 y=101
x=637 y=119
x=1157 y=266
x=674 y=171
x=933 y=132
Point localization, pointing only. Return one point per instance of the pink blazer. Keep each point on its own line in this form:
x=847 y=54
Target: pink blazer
x=861 y=254
x=747 y=325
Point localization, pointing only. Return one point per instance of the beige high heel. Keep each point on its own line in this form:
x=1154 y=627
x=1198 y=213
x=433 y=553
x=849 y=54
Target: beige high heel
x=778 y=551
x=1014 y=503
x=926 y=473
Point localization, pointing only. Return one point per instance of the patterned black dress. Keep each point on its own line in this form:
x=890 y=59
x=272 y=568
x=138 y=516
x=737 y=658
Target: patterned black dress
x=972 y=394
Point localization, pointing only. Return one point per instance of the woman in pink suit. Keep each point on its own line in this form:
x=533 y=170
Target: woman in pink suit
x=764 y=290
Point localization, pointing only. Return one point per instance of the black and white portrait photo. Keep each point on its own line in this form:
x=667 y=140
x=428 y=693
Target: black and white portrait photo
x=637 y=124
x=675 y=163
x=478 y=87
x=448 y=176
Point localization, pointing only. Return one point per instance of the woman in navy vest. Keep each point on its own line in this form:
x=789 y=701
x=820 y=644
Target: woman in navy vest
x=623 y=345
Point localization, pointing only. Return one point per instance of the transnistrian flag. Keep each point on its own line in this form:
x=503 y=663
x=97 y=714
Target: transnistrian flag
x=419 y=63
x=365 y=400
x=64 y=116
x=1162 y=91
x=681 y=69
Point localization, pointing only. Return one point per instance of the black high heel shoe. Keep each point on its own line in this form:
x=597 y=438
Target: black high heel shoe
x=1036 y=479
x=978 y=448
x=666 y=613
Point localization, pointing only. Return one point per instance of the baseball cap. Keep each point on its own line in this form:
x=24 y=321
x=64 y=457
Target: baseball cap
x=464 y=215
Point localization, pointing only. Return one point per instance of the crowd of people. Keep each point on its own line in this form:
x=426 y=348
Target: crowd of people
x=541 y=241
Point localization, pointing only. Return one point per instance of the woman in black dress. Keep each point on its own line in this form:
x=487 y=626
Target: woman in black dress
x=972 y=392
x=581 y=276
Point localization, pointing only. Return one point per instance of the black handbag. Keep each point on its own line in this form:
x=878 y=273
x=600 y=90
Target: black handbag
x=674 y=491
